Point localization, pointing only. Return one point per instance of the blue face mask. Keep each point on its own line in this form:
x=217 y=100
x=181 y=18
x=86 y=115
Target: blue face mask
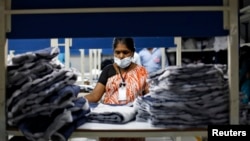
x=123 y=63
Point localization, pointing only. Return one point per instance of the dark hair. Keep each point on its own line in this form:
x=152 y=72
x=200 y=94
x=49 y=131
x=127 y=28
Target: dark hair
x=129 y=42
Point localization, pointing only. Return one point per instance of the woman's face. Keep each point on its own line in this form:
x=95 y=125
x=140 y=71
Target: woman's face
x=121 y=51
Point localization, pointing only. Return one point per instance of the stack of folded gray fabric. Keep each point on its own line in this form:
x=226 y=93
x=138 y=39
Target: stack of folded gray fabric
x=42 y=98
x=184 y=97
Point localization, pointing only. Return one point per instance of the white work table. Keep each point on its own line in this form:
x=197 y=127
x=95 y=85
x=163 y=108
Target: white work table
x=133 y=129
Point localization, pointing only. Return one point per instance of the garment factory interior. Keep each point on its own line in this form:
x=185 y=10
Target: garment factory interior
x=86 y=53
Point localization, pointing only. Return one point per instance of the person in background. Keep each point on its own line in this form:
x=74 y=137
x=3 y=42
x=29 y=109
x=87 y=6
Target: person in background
x=136 y=58
x=122 y=82
x=151 y=59
x=61 y=58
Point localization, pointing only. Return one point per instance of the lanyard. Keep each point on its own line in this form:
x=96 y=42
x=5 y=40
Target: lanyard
x=123 y=79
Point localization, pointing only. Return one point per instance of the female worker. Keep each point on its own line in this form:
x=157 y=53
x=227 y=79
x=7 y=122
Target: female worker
x=121 y=81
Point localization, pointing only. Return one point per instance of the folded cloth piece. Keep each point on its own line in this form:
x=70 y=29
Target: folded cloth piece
x=24 y=58
x=112 y=114
x=11 y=69
x=37 y=71
x=79 y=118
x=34 y=98
x=42 y=127
x=41 y=84
x=142 y=115
x=61 y=99
x=46 y=54
x=58 y=125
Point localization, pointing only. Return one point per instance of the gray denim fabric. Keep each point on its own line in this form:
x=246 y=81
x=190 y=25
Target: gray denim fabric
x=186 y=96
